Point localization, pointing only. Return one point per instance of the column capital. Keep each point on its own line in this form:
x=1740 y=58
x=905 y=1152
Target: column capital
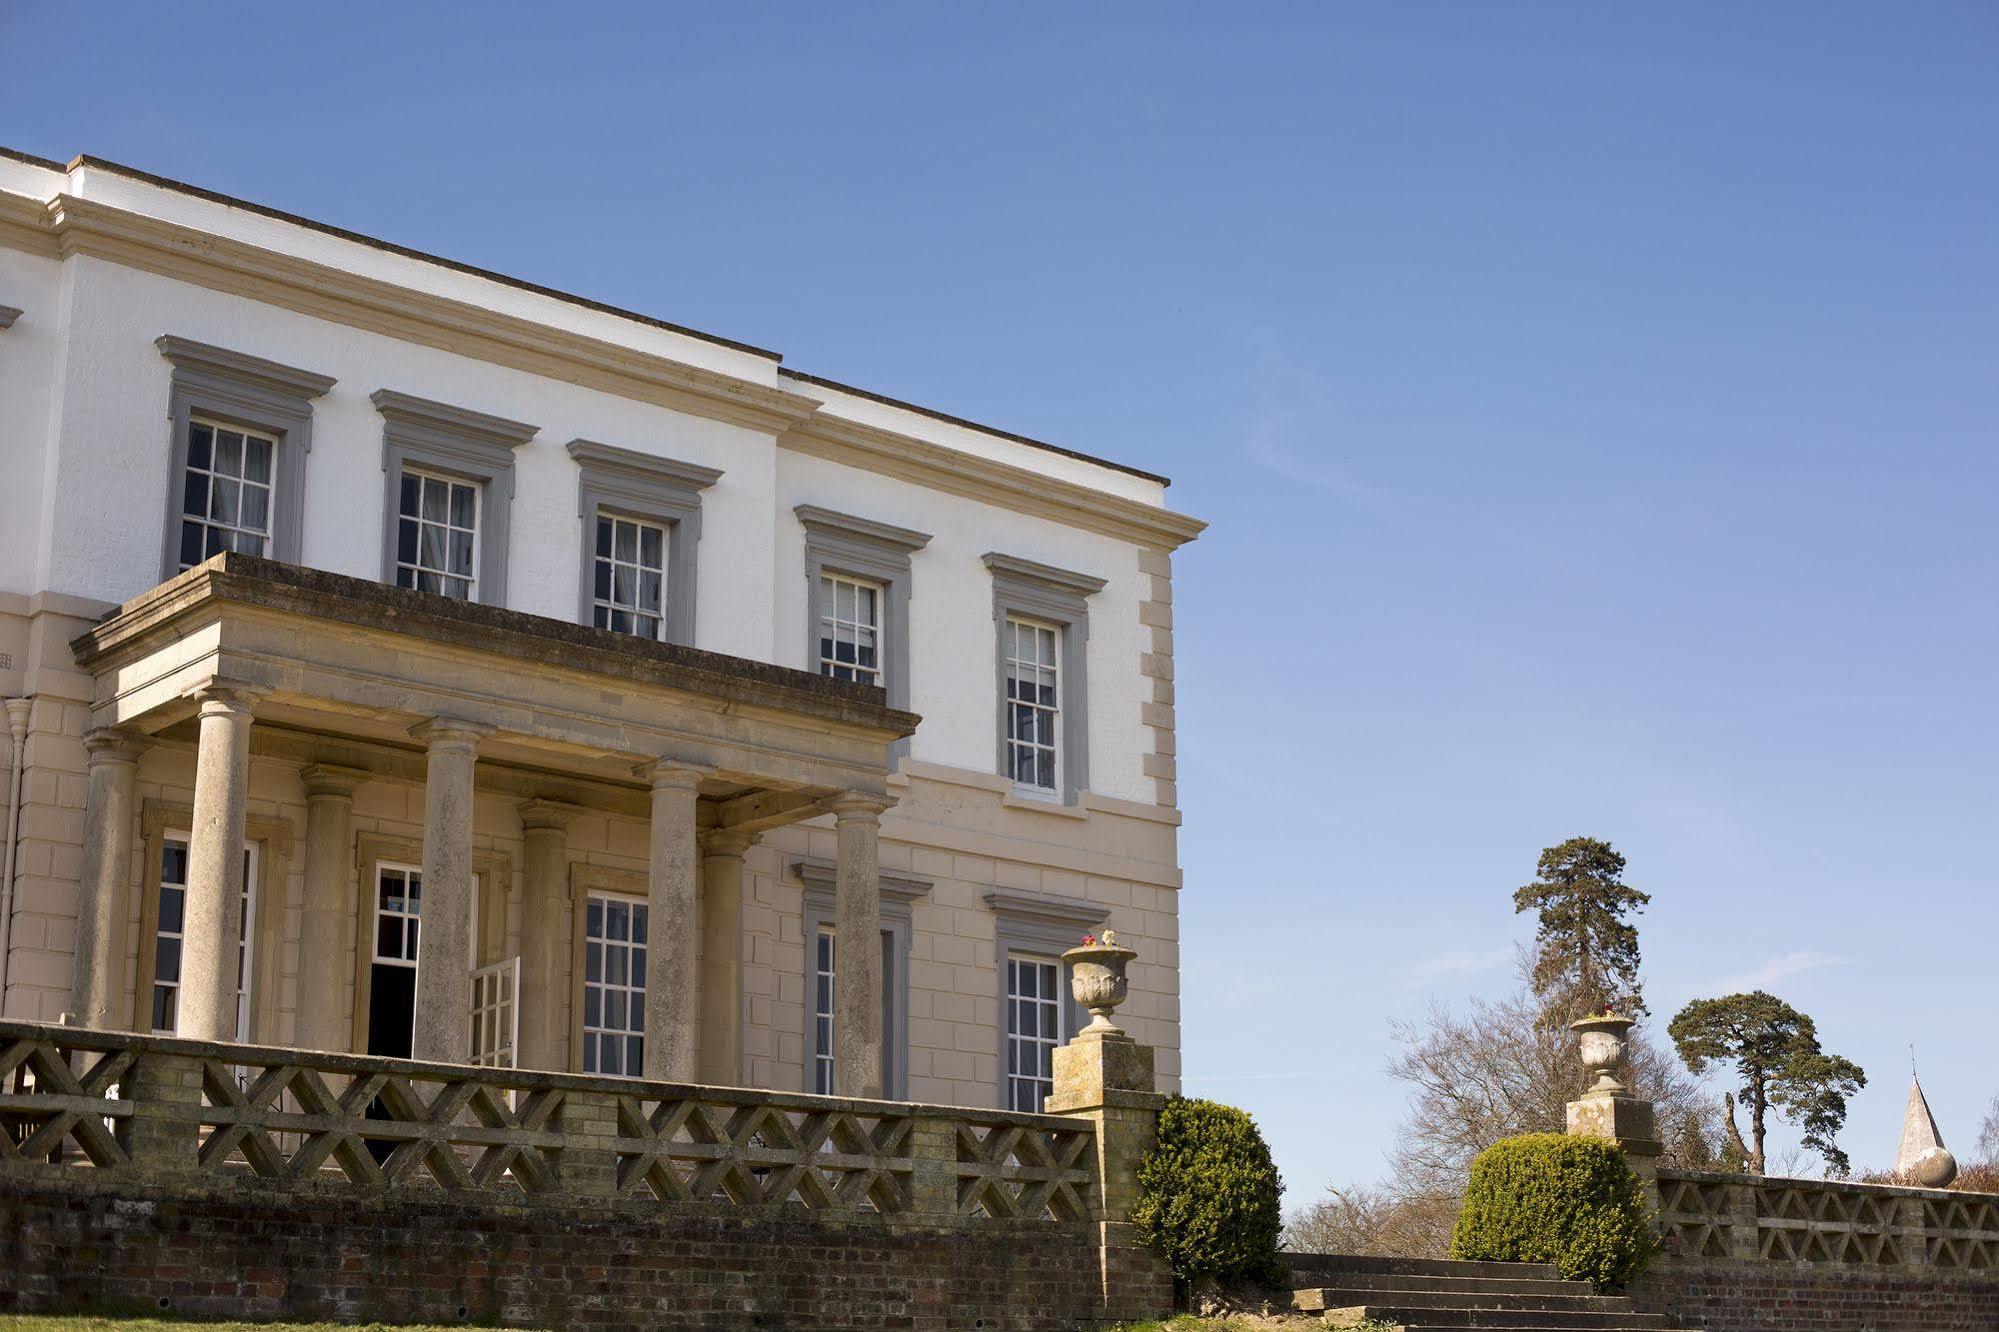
x=112 y=744
x=218 y=696
x=331 y=779
x=542 y=815
x=445 y=732
x=672 y=774
x=863 y=805
x=726 y=842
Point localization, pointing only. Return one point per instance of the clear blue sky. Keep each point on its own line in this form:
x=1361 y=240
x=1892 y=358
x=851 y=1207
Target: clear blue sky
x=1595 y=406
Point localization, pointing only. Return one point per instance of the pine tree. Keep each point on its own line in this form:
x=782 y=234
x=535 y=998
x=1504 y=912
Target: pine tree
x=1586 y=951
x=1775 y=1050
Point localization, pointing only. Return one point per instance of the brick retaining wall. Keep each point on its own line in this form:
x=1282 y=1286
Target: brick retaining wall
x=1725 y=1296
x=446 y=1261
x=250 y=1182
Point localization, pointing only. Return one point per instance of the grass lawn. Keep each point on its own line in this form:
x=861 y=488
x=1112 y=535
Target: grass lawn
x=58 y=1323
x=86 y=1323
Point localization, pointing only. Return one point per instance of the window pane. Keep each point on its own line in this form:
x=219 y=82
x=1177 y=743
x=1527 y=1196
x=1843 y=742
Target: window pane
x=603 y=538
x=257 y=460
x=171 y=902
x=627 y=546
x=412 y=490
x=436 y=499
x=256 y=508
x=461 y=553
x=200 y=441
x=228 y=453
x=222 y=500
x=194 y=494
x=166 y=960
x=652 y=548
x=464 y=505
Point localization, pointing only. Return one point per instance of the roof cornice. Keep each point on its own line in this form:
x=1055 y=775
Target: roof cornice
x=85 y=226
x=67 y=225
x=923 y=463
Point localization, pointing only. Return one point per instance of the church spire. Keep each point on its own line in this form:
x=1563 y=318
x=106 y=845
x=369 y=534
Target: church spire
x=1922 y=1158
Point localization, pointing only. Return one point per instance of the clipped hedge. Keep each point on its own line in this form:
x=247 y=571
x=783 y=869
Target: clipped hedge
x=1209 y=1194
x=1551 y=1198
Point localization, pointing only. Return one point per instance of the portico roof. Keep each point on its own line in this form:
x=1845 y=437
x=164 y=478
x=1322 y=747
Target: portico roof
x=352 y=662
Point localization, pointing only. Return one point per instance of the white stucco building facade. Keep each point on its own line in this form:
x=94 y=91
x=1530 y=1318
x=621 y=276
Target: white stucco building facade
x=572 y=682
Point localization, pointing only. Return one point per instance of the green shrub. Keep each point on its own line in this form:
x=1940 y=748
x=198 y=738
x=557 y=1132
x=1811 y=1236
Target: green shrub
x=1550 y=1198
x=1208 y=1194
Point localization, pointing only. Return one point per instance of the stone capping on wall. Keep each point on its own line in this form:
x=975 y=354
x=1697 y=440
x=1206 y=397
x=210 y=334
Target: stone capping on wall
x=242 y=390
x=1830 y=1223
x=336 y=598
x=819 y=879
x=661 y=490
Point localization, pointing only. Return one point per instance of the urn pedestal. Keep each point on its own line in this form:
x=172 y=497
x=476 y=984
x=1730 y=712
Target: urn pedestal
x=1607 y=1109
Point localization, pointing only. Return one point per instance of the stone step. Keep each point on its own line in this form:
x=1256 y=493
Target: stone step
x=1320 y=1269
x=1576 y=1299
x=1514 y=1320
x=1365 y=1284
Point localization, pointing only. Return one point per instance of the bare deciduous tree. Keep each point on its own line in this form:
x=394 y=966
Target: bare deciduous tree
x=1492 y=1070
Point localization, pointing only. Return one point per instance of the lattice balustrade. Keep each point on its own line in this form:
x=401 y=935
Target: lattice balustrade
x=777 y=1150
x=1694 y=1218
x=1827 y=1223
x=1011 y=1170
x=1961 y=1233
x=275 y=1118
x=58 y=1097
x=1812 y=1222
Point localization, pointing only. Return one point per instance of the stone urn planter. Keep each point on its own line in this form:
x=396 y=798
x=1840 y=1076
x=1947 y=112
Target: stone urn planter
x=1097 y=979
x=1603 y=1040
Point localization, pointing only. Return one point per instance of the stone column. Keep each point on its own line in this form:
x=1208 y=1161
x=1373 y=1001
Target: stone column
x=444 y=936
x=722 y=956
x=328 y=906
x=1106 y=1077
x=212 y=922
x=857 y=984
x=97 y=987
x=674 y=923
x=547 y=920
